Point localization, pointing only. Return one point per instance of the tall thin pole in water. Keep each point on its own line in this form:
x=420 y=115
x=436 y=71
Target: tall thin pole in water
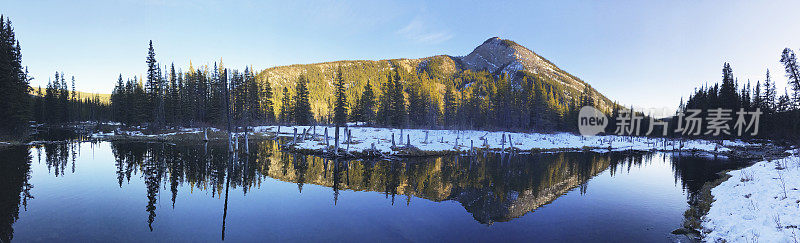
x=227 y=106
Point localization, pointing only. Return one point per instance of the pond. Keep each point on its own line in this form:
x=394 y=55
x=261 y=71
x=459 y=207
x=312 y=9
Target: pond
x=137 y=191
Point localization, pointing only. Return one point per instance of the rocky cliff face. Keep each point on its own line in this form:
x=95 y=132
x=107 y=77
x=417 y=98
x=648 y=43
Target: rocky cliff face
x=496 y=55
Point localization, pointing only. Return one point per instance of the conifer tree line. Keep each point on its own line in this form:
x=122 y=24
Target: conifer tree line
x=169 y=97
x=781 y=110
x=57 y=103
x=409 y=94
x=60 y=103
x=470 y=100
x=397 y=98
x=14 y=79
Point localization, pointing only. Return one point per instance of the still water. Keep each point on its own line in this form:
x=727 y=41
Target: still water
x=135 y=191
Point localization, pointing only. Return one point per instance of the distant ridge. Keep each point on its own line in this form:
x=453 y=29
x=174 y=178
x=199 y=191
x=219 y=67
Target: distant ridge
x=105 y=98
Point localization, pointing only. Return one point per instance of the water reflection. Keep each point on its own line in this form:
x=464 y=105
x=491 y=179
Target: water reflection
x=491 y=187
x=14 y=188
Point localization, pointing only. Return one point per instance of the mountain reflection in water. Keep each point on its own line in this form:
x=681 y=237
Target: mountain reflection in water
x=491 y=187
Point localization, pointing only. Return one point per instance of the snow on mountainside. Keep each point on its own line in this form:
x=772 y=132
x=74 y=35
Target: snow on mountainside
x=496 y=55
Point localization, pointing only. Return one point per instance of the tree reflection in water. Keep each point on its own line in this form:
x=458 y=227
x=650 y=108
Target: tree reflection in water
x=14 y=188
x=491 y=187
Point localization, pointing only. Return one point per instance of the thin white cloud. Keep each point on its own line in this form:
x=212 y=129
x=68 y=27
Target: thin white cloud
x=424 y=31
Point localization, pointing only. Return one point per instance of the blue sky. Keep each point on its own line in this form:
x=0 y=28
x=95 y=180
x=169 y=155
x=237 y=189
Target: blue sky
x=647 y=53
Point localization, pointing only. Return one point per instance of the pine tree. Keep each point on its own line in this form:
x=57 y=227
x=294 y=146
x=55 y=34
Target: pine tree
x=385 y=102
x=173 y=98
x=254 y=108
x=14 y=89
x=450 y=106
x=50 y=98
x=417 y=107
x=117 y=97
x=153 y=86
x=126 y=102
x=557 y=111
x=397 y=110
x=186 y=92
x=501 y=103
x=286 y=115
x=237 y=95
x=190 y=104
x=302 y=107
x=769 y=98
x=615 y=109
x=266 y=98
x=784 y=102
x=744 y=96
x=216 y=98
x=201 y=95
x=63 y=100
x=758 y=98
x=727 y=92
x=367 y=104
x=476 y=107
x=340 y=106
x=74 y=102
x=142 y=102
x=789 y=61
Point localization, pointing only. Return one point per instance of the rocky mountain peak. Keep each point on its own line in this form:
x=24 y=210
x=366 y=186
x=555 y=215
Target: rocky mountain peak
x=492 y=56
x=497 y=55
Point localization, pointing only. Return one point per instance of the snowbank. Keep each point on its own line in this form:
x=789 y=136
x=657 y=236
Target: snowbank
x=758 y=203
x=452 y=140
x=137 y=133
x=435 y=141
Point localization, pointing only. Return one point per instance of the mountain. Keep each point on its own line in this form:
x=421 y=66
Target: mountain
x=496 y=56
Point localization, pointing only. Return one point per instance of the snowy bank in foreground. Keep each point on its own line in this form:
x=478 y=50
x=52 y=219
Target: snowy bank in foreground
x=454 y=140
x=758 y=203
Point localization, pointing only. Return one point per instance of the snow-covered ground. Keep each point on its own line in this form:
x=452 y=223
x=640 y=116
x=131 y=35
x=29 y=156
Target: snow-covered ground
x=140 y=134
x=450 y=140
x=462 y=140
x=760 y=203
